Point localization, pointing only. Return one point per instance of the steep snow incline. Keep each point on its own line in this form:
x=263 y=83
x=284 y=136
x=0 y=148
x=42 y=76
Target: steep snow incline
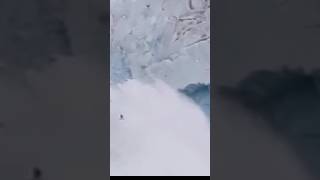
x=162 y=132
x=166 y=39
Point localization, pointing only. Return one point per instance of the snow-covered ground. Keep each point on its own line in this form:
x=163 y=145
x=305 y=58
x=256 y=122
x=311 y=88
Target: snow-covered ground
x=162 y=132
x=158 y=50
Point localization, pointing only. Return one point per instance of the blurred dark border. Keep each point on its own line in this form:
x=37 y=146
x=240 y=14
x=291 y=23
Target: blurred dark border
x=270 y=37
x=86 y=158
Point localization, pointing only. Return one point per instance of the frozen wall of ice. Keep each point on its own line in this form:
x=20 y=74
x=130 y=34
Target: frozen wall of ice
x=169 y=40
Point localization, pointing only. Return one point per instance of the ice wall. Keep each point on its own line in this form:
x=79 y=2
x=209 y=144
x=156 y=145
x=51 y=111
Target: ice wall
x=169 y=40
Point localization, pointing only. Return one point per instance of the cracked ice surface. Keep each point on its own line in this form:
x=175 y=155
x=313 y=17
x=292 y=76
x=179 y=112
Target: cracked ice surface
x=169 y=40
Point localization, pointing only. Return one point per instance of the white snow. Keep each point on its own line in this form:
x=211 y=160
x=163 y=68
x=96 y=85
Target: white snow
x=163 y=132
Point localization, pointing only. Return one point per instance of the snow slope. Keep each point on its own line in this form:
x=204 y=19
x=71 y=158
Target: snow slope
x=167 y=134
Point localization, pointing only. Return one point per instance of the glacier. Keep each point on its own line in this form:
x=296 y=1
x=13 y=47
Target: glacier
x=161 y=40
x=160 y=84
x=171 y=44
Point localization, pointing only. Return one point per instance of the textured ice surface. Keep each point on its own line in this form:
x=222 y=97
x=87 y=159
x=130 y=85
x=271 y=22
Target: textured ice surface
x=169 y=40
x=166 y=39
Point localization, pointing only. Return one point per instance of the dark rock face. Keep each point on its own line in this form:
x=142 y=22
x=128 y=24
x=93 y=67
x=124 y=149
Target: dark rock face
x=289 y=101
x=32 y=33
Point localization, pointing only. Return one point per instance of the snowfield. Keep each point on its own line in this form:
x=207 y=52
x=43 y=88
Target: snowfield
x=162 y=133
